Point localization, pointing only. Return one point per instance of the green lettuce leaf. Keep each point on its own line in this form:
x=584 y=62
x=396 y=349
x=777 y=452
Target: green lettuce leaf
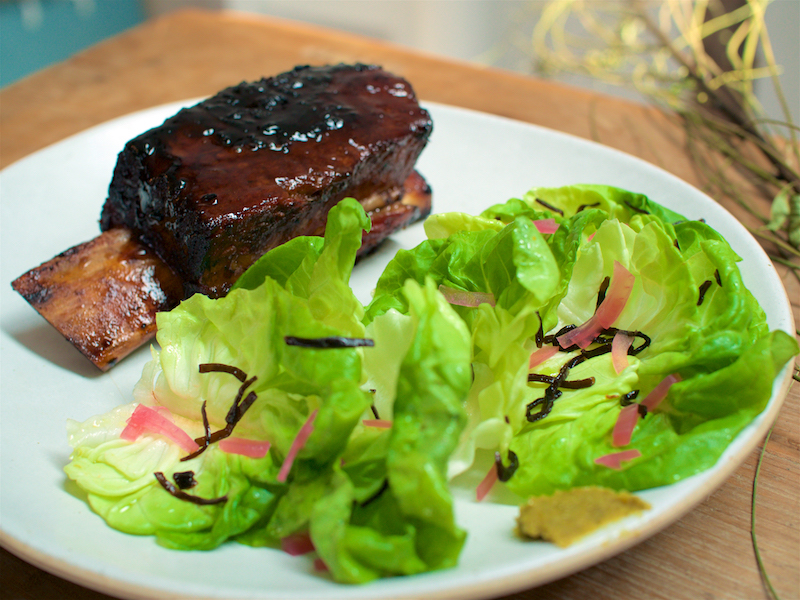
x=714 y=345
x=674 y=262
x=407 y=525
x=389 y=485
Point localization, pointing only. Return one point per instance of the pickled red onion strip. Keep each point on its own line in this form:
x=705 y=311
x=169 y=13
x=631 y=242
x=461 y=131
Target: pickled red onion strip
x=297 y=544
x=619 y=350
x=615 y=459
x=319 y=565
x=623 y=428
x=381 y=423
x=609 y=310
x=464 y=298
x=655 y=397
x=487 y=484
x=297 y=444
x=245 y=447
x=616 y=296
x=582 y=335
x=145 y=418
x=542 y=354
x=546 y=226
x=132 y=431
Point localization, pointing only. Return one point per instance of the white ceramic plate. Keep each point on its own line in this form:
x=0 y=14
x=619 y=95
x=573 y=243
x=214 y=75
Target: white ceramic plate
x=51 y=201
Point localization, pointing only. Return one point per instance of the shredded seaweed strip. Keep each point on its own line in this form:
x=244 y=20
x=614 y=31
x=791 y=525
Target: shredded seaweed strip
x=545 y=405
x=181 y=495
x=552 y=392
x=551 y=339
x=541 y=407
x=636 y=209
x=628 y=398
x=539 y=332
x=585 y=206
x=376 y=495
x=334 y=341
x=607 y=335
x=235 y=413
x=184 y=479
x=504 y=473
x=575 y=384
x=374 y=411
x=702 y=291
x=717 y=277
x=221 y=368
x=550 y=206
x=556 y=382
x=601 y=293
x=204 y=441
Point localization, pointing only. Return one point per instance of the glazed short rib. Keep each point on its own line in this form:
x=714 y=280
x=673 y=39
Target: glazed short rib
x=222 y=182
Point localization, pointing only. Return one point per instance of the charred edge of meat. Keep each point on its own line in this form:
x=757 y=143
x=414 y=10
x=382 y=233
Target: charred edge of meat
x=414 y=205
x=149 y=178
x=323 y=134
x=103 y=295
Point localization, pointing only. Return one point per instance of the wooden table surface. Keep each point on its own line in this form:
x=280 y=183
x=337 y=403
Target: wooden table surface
x=706 y=554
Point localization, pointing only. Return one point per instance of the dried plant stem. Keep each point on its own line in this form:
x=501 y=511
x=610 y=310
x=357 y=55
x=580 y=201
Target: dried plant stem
x=721 y=98
x=770 y=237
x=770 y=58
x=761 y=568
x=708 y=89
x=787 y=263
x=767 y=148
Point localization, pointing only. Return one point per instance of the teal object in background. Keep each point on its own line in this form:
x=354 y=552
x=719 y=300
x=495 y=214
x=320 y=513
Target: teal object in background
x=38 y=33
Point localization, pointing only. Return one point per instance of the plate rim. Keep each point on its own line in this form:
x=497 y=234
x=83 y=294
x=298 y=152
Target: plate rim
x=505 y=584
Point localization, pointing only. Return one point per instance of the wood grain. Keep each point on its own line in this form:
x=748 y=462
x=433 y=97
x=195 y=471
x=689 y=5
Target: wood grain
x=708 y=553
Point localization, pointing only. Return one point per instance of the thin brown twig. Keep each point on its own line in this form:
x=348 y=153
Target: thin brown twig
x=729 y=107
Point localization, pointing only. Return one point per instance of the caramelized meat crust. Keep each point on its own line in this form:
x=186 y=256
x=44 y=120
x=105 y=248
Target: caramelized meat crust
x=103 y=295
x=197 y=200
x=222 y=182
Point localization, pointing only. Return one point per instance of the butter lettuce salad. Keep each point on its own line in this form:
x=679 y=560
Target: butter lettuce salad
x=576 y=336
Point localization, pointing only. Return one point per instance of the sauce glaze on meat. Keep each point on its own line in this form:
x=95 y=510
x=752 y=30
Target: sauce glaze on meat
x=222 y=182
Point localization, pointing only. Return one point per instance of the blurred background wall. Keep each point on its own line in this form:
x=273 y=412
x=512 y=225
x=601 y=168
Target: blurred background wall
x=35 y=33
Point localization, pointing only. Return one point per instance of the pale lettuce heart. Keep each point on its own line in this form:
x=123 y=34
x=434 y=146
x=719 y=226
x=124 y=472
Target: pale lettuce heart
x=375 y=501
